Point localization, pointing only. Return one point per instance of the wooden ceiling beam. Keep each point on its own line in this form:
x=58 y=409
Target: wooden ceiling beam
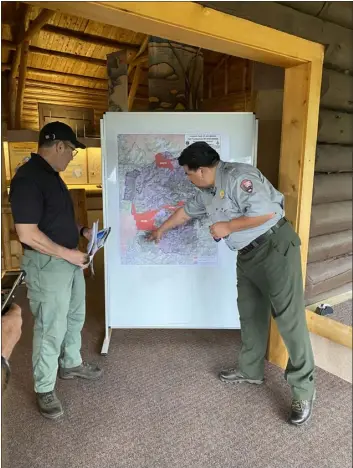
x=42 y=71
x=54 y=53
x=89 y=39
x=64 y=87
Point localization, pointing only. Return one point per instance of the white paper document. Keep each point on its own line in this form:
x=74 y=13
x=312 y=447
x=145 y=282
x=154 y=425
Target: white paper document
x=97 y=241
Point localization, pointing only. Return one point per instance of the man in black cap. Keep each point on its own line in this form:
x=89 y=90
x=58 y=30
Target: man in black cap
x=45 y=223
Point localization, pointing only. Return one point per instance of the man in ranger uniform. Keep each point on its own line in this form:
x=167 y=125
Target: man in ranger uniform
x=247 y=212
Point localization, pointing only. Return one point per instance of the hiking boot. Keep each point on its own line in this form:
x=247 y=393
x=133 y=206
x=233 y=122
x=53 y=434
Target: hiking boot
x=49 y=405
x=301 y=411
x=235 y=376
x=84 y=371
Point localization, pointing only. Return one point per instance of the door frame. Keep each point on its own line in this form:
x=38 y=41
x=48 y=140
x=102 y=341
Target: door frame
x=191 y=23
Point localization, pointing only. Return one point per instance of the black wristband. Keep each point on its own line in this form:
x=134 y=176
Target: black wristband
x=81 y=230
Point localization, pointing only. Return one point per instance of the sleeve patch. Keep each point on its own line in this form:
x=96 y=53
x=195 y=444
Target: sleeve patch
x=247 y=186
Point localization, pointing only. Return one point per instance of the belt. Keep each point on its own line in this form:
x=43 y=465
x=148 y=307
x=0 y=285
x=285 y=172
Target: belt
x=263 y=238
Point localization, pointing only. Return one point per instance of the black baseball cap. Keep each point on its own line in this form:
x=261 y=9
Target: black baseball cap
x=58 y=131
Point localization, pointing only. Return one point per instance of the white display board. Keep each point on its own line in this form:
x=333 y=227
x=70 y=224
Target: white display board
x=188 y=280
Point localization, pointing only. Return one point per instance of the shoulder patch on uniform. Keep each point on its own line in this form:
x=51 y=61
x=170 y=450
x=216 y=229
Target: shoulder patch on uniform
x=246 y=185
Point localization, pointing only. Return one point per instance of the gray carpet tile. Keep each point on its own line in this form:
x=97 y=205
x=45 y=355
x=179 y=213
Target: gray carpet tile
x=160 y=405
x=343 y=313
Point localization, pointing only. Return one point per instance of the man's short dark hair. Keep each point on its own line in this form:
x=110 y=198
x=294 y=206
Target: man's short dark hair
x=199 y=154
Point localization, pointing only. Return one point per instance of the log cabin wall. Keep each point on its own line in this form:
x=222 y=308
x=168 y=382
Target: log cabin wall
x=329 y=269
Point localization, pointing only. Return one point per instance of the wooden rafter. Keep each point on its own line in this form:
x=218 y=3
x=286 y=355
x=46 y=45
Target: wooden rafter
x=134 y=62
x=88 y=39
x=15 y=64
x=134 y=86
x=36 y=25
x=53 y=73
x=54 y=53
x=20 y=61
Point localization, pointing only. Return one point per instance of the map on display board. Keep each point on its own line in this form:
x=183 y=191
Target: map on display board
x=152 y=186
x=187 y=280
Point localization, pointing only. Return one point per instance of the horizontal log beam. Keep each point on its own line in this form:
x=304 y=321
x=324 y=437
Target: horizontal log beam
x=34 y=91
x=34 y=84
x=340 y=13
x=335 y=127
x=329 y=188
x=5 y=67
x=324 y=247
x=8 y=45
x=330 y=217
x=61 y=101
x=333 y=158
x=328 y=274
x=89 y=39
x=44 y=72
x=337 y=39
x=337 y=91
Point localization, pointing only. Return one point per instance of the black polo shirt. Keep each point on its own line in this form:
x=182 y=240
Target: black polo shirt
x=39 y=196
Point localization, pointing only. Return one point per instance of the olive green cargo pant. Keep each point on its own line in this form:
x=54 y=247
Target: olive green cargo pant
x=270 y=278
x=56 y=292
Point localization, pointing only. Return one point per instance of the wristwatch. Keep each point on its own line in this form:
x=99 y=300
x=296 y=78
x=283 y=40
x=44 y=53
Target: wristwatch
x=5 y=371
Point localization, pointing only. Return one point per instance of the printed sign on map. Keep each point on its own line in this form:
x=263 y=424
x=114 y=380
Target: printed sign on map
x=213 y=140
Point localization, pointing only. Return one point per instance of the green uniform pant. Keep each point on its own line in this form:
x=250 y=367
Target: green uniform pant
x=270 y=279
x=56 y=292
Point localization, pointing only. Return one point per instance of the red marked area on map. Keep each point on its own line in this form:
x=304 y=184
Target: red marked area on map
x=162 y=161
x=146 y=221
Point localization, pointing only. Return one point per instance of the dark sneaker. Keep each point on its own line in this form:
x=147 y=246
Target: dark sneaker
x=84 y=371
x=235 y=376
x=49 y=405
x=301 y=411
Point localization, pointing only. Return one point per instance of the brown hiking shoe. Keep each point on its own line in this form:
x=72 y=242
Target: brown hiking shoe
x=84 y=371
x=49 y=405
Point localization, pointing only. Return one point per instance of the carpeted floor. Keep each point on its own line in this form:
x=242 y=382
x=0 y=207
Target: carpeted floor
x=160 y=405
x=343 y=313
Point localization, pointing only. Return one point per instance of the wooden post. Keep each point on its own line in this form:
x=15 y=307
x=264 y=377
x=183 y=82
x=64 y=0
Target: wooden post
x=5 y=221
x=134 y=86
x=20 y=59
x=21 y=84
x=78 y=197
x=296 y=173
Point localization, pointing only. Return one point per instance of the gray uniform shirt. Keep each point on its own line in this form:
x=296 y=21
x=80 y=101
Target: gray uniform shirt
x=240 y=190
